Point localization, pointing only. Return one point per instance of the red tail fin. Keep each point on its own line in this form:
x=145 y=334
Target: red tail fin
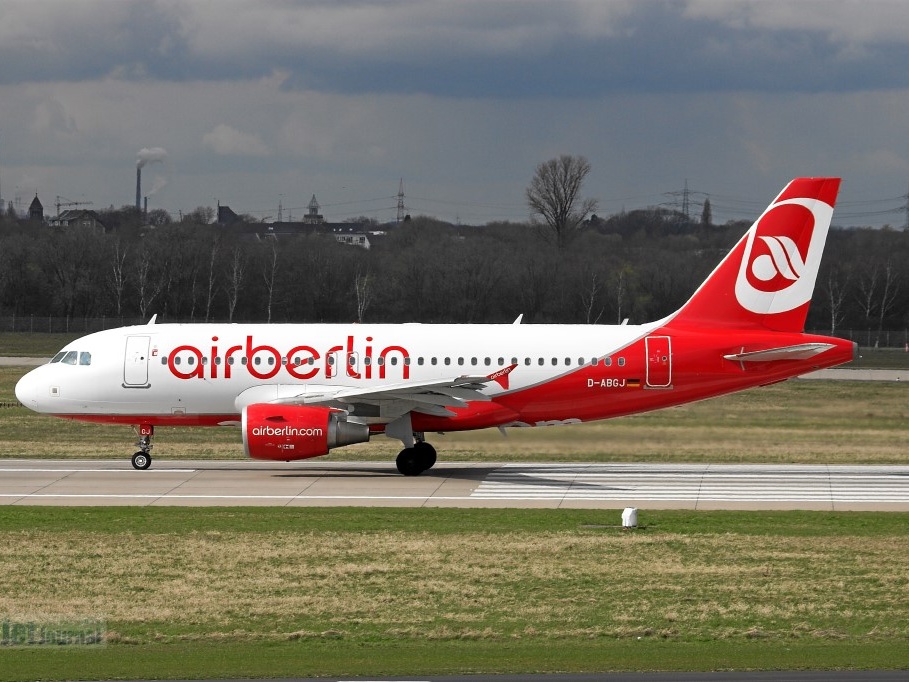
x=768 y=277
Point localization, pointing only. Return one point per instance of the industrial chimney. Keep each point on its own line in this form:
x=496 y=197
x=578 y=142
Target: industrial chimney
x=138 y=188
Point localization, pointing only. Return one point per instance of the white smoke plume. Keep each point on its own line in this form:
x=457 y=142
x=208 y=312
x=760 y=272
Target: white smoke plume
x=159 y=183
x=150 y=155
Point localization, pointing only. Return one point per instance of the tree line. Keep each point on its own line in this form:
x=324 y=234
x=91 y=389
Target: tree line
x=639 y=266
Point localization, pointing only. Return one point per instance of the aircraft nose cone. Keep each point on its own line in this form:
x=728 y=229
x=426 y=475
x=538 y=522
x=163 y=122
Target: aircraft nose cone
x=27 y=391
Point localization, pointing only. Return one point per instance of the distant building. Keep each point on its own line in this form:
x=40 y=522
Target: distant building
x=226 y=216
x=350 y=233
x=313 y=217
x=36 y=210
x=78 y=218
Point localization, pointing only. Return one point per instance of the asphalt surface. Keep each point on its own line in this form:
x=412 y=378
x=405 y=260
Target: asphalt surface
x=458 y=484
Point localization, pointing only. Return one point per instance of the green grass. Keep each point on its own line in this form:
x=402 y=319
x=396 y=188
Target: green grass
x=33 y=345
x=298 y=592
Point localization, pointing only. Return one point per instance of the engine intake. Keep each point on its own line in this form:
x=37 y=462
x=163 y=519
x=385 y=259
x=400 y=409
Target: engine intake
x=288 y=432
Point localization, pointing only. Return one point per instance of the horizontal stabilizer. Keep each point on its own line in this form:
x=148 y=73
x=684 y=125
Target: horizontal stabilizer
x=801 y=351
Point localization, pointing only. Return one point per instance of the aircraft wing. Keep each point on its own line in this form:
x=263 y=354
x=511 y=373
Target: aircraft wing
x=393 y=400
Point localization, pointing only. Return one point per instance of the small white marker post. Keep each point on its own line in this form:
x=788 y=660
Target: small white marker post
x=630 y=517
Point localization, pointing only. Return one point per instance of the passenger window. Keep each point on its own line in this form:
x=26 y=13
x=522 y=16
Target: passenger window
x=607 y=361
x=433 y=361
x=58 y=357
x=394 y=360
x=473 y=361
x=191 y=360
x=540 y=361
x=580 y=361
x=331 y=360
x=420 y=360
x=527 y=361
x=621 y=362
x=352 y=360
x=256 y=361
x=163 y=359
x=555 y=361
x=514 y=361
x=381 y=361
x=460 y=361
x=407 y=361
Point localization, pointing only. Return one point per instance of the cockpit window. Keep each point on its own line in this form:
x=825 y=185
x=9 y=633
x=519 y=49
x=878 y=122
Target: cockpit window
x=73 y=357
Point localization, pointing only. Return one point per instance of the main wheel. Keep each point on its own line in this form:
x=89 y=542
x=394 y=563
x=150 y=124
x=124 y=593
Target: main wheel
x=141 y=460
x=409 y=462
x=426 y=454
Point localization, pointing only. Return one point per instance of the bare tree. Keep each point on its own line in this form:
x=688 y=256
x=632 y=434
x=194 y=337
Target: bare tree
x=364 y=294
x=148 y=286
x=620 y=290
x=210 y=293
x=117 y=275
x=835 y=291
x=234 y=281
x=888 y=297
x=271 y=269
x=554 y=195
x=589 y=298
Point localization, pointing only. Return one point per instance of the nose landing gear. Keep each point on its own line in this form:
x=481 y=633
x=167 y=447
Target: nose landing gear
x=142 y=459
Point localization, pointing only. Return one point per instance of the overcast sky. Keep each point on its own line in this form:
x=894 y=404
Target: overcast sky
x=261 y=101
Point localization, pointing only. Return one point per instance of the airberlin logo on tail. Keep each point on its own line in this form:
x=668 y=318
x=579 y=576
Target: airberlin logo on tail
x=784 y=260
x=782 y=255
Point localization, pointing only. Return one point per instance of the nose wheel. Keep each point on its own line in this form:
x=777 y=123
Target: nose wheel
x=142 y=459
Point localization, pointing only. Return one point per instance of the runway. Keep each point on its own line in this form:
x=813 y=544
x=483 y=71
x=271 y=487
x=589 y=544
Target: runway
x=458 y=484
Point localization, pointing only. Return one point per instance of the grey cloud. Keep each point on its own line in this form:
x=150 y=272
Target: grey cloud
x=470 y=49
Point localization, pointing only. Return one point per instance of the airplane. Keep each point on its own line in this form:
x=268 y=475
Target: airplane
x=299 y=390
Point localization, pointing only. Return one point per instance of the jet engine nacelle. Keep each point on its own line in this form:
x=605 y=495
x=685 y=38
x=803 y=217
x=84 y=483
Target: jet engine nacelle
x=286 y=432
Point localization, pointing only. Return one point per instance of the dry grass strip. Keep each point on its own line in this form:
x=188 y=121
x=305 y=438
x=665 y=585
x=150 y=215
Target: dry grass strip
x=467 y=585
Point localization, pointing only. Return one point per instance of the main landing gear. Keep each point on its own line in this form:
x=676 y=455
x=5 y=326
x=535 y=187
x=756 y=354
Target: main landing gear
x=417 y=459
x=142 y=459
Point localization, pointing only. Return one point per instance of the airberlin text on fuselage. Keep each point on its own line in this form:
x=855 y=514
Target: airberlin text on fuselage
x=300 y=362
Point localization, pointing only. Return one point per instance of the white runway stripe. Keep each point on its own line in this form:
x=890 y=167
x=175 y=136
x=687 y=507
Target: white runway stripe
x=745 y=483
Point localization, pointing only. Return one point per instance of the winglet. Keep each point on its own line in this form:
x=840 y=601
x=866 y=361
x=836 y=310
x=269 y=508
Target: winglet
x=500 y=376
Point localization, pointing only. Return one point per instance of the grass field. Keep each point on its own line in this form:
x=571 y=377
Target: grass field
x=404 y=591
